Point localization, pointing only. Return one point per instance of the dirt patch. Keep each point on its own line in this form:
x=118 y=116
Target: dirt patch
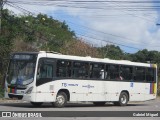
x=3 y=100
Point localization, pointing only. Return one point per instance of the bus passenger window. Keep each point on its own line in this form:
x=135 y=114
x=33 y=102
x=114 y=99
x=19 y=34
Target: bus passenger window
x=139 y=74
x=96 y=71
x=63 y=68
x=126 y=72
x=150 y=75
x=113 y=72
x=80 y=70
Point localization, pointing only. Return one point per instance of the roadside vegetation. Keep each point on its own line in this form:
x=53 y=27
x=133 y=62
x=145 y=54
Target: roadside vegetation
x=1 y=92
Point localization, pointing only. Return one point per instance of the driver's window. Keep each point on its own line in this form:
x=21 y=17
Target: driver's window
x=46 y=70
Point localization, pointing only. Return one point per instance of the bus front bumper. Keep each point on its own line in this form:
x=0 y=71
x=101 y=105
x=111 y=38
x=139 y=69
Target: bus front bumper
x=16 y=96
x=27 y=97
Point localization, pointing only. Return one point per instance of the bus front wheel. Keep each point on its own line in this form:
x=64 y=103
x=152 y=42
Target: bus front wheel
x=123 y=99
x=61 y=100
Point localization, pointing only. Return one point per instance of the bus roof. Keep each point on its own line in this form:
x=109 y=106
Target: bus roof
x=98 y=60
x=24 y=53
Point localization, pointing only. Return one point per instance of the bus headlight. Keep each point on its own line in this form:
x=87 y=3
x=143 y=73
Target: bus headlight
x=29 y=90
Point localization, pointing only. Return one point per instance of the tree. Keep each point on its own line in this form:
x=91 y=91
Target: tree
x=79 y=48
x=112 y=52
x=31 y=33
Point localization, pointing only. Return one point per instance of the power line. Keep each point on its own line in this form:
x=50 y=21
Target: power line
x=110 y=42
x=103 y=40
x=106 y=33
x=77 y=4
x=17 y=7
x=81 y=4
x=94 y=1
x=67 y=2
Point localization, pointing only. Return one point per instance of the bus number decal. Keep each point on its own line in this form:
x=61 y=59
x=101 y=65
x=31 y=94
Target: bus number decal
x=132 y=84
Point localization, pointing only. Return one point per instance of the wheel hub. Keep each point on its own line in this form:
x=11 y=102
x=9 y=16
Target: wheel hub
x=123 y=99
x=60 y=100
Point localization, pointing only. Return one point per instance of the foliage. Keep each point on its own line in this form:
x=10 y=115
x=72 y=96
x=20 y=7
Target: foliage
x=79 y=48
x=1 y=92
x=112 y=52
x=147 y=56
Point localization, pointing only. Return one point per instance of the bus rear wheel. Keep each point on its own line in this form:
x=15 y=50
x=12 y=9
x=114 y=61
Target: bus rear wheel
x=61 y=100
x=123 y=99
x=36 y=104
x=99 y=103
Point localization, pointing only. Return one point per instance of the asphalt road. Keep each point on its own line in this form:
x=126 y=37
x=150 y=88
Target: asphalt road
x=153 y=105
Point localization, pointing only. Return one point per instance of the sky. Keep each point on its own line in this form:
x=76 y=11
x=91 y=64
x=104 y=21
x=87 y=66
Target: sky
x=130 y=24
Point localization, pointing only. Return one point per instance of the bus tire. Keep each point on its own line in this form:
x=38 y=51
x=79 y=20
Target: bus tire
x=123 y=99
x=99 y=103
x=36 y=104
x=61 y=100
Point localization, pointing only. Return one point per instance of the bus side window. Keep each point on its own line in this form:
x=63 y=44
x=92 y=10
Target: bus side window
x=45 y=71
x=80 y=70
x=96 y=71
x=63 y=68
x=139 y=74
x=114 y=72
x=126 y=72
x=150 y=76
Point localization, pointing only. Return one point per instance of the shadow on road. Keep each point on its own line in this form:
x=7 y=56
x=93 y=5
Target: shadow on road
x=69 y=105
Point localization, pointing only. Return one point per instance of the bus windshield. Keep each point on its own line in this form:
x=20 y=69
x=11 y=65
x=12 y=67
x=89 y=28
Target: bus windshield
x=21 y=72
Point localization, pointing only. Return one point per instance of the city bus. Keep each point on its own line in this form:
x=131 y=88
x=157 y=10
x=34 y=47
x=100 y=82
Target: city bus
x=49 y=77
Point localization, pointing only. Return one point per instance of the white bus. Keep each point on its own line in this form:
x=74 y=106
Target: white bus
x=50 y=77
